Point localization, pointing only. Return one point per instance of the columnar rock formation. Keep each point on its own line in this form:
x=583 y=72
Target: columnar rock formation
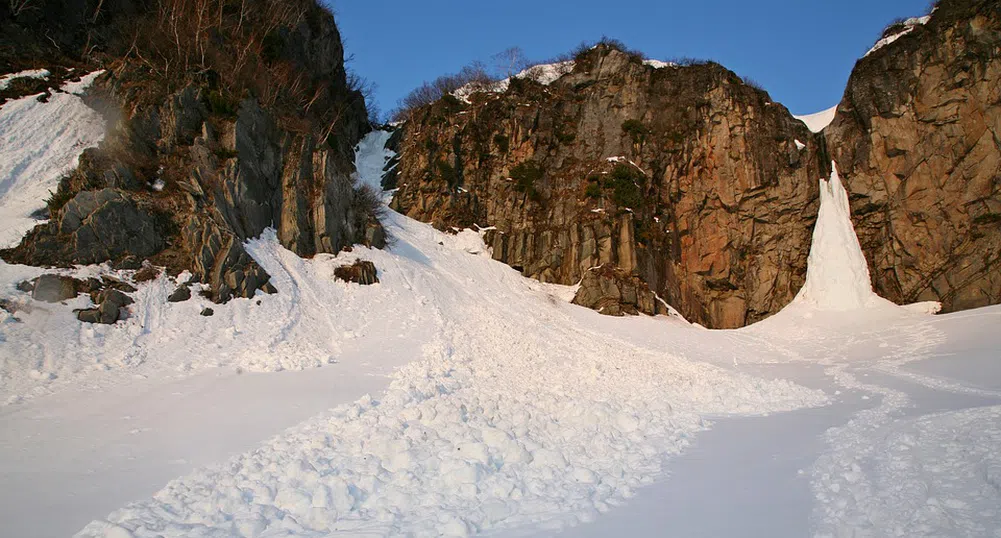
x=200 y=159
x=918 y=139
x=685 y=177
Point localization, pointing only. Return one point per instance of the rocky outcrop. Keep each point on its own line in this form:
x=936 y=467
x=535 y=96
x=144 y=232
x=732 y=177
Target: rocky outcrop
x=199 y=161
x=684 y=177
x=916 y=138
x=614 y=292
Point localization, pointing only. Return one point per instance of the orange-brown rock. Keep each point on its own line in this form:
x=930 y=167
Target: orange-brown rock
x=686 y=177
x=917 y=140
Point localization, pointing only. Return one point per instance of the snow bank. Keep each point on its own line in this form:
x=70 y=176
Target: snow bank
x=837 y=275
x=522 y=412
x=544 y=74
x=39 y=143
x=818 y=121
x=909 y=26
x=31 y=73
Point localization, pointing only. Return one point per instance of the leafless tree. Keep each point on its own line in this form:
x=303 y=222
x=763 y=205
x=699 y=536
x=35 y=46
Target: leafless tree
x=20 y=6
x=510 y=62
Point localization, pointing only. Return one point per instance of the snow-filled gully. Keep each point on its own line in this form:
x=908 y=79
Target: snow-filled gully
x=496 y=408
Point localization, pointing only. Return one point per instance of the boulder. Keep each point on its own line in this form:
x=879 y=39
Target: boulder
x=55 y=288
x=360 y=272
x=207 y=312
x=182 y=293
x=111 y=307
x=612 y=291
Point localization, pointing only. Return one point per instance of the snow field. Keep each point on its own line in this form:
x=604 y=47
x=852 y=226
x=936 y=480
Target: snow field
x=517 y=416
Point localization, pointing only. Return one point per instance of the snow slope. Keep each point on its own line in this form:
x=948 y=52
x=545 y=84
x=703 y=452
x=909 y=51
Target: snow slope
x=29 y=170
x=516 y=415
x=494 y=407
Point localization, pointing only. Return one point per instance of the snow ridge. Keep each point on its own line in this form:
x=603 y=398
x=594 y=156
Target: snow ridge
x=544 y=74
x=909 y=26
x=818 y=121
x=837 y=275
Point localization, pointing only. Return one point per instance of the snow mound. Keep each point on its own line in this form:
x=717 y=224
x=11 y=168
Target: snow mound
x=837 y=275
x=31 y=73
x=909 y=26
x=39 y=143
x=544 y=74
x=818 y=121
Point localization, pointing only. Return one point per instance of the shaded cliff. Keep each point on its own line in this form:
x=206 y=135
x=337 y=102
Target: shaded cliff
x=917 y=139
x=685 y=177
x=218 y=130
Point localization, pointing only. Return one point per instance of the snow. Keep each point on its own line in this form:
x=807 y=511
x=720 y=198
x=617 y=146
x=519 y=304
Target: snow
x=6 y=80
x=657 y=64
x=29 y=171
x=799 y=145
x=456 y=397
x=818 y=121
x=544 y=74
x=480 y=433
x=837 y=275
x=909 y=26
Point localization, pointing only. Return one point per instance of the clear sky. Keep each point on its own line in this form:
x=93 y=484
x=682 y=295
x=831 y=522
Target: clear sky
x=800 y=51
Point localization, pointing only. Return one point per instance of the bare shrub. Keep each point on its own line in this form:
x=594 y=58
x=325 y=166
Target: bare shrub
x=430 y=92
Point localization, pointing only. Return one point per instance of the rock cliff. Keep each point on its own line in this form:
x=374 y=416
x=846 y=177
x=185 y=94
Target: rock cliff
x=917 y=139
x=684 y=178
x=207 y=148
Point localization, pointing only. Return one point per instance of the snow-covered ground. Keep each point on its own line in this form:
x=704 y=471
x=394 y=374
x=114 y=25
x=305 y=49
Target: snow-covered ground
x=455 y=397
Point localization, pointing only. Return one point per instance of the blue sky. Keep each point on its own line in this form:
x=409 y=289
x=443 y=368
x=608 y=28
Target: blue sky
x=801 y=51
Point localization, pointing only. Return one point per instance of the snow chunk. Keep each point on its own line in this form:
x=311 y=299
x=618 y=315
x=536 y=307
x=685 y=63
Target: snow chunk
x=909 y=26
x=818 y=121
x=31 y=73
x=799 y=145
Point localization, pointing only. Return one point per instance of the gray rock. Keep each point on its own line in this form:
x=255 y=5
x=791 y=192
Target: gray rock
x=26 y=286
x=105 y=225
x=207 y=312
x=182 y=293
x=54 y=288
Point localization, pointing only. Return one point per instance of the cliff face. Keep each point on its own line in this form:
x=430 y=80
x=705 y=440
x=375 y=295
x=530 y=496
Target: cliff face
x=917 y=139
x=188 y=173
x=685 y=177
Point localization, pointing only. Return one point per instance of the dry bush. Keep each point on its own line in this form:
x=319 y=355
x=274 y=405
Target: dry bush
x=430 y=92
x=238 y=47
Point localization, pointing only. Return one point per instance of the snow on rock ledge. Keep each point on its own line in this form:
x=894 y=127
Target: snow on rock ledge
x=908 y=26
